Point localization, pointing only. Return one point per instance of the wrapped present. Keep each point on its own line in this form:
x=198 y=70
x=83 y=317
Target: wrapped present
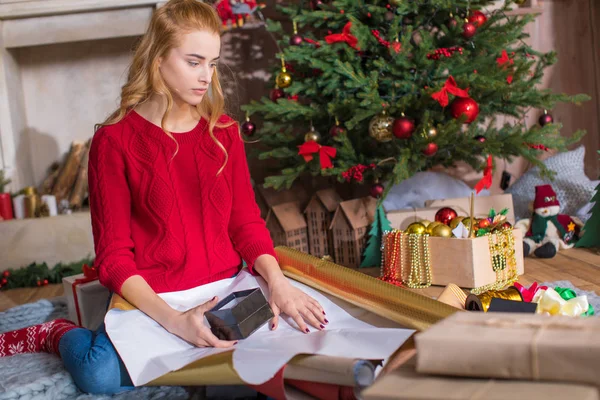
x=405 y=383
x=487 y=262
x=512 y=346
x=87 y=299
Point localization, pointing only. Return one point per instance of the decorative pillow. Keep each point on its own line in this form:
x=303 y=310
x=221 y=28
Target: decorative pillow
x=423 y=186
x=573 y=188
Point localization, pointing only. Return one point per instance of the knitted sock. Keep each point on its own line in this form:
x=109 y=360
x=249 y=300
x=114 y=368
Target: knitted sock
x=35 y=339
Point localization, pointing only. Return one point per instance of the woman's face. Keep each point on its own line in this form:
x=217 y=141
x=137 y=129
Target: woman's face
x=188 y=69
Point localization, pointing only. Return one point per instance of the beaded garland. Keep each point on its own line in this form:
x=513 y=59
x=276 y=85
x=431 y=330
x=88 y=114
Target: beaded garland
x=393 y=261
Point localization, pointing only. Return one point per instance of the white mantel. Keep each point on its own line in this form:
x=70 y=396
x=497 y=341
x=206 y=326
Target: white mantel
x=51 y=92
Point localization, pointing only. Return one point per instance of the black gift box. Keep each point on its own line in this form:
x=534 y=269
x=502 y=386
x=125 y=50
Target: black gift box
x=238 y=315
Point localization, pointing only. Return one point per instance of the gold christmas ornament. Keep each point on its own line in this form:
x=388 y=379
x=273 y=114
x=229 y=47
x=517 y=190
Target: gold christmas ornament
x=425 y=222
x=455 y=221
x=284 y=79
x=380 y=127
x=431 y=226
x=312 y=135
x=442 y=230
x=431 y=132
x=416 y=228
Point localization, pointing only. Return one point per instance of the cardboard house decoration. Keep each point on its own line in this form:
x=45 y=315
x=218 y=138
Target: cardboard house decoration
x=350 y=226
x=319 y=214
x=287 y=226
x=266 y=198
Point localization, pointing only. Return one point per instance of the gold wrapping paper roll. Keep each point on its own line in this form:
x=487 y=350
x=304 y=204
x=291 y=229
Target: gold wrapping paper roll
x=397 y=304
x=481 y=302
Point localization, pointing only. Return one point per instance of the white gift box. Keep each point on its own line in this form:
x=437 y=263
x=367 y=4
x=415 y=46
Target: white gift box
x=89 y=298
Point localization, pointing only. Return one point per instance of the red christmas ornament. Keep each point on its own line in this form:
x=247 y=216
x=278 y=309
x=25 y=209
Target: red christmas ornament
x=336 y=130
x=403 y=127
x=39 y=283
x=445 y=215
x=477 y=18
x=452 y=23
x=545 y=119
x=248 y=128
x=4 y=281
x=466 y=106
x=45 y=282
x=469 y=30
x=430 y=149
x=314 y=4
x=484 y=223
x=480 y=138
x=6 y=274
x=296 y=40
x=377 y=190
x=276 y=94
x=506 y=225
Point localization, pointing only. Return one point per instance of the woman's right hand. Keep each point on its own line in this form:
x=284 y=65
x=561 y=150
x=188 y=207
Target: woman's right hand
x=189 y=325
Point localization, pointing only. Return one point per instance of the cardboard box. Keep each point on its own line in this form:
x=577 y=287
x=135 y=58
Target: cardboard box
x=464 y=262
x=92 y=301
x=482 y=207
x=512 y=346
x=405 y=383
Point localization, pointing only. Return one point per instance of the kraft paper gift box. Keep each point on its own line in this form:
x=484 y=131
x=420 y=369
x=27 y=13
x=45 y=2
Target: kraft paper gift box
x=464 y=262
x=405 y=383
x=512 y=346
x=87 y=300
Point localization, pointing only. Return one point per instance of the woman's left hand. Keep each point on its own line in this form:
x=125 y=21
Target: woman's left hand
x=303 y=309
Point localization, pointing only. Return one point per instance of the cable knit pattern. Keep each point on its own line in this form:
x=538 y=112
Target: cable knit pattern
x=172 y=220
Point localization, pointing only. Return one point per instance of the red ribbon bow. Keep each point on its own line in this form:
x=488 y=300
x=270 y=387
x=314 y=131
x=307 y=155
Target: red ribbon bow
x=89 y=274
x=486 y=181
x=528 y=293
x=345 y=36
x=502 y=61
x=325 y=153
x=449 y=87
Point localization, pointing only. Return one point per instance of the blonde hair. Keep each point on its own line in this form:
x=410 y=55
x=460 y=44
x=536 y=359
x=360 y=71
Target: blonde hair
x=167 y=24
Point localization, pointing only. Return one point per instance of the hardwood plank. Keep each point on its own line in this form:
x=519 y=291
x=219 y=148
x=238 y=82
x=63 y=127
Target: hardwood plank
x=14 y=297
x=586 y=255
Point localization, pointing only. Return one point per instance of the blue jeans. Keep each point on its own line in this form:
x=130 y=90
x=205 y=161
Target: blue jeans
x=93 y=362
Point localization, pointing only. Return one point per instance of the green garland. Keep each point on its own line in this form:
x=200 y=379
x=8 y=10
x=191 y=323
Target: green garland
x=36 y=274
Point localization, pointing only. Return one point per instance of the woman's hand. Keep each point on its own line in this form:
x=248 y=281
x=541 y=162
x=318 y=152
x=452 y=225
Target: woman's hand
x=189 y=326
x=292 y=301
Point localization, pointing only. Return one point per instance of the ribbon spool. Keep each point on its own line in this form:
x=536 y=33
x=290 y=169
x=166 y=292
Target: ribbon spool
x=482 y=301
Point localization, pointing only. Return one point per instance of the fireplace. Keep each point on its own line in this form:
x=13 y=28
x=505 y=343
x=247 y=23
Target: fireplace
x=62 y=63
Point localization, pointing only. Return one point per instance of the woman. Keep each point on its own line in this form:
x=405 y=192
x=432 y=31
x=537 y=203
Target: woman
x=171 y=202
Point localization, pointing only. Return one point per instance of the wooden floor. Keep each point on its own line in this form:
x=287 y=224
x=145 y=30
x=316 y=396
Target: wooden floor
x=579 y=266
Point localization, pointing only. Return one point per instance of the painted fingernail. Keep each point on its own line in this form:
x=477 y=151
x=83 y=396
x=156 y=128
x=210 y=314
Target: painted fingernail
x=234 y=343
x=326 y=321
x=213 y=298
x=322 y=326
x=306 y=330
x=273 y=326
x=324 y=313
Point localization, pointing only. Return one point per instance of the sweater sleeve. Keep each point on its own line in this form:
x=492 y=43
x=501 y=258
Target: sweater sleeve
x=247 y=230
x=110 y=207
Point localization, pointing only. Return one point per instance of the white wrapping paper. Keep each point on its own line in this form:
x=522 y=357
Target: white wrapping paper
x=149 y=351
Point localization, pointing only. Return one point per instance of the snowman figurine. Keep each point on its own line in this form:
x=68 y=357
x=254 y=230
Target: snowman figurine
x=547 y=230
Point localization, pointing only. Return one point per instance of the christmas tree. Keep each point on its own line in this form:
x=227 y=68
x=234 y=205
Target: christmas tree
x=372 y=253
x=374 y=91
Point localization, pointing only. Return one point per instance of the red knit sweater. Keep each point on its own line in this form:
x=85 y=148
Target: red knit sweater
x=171 y=220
